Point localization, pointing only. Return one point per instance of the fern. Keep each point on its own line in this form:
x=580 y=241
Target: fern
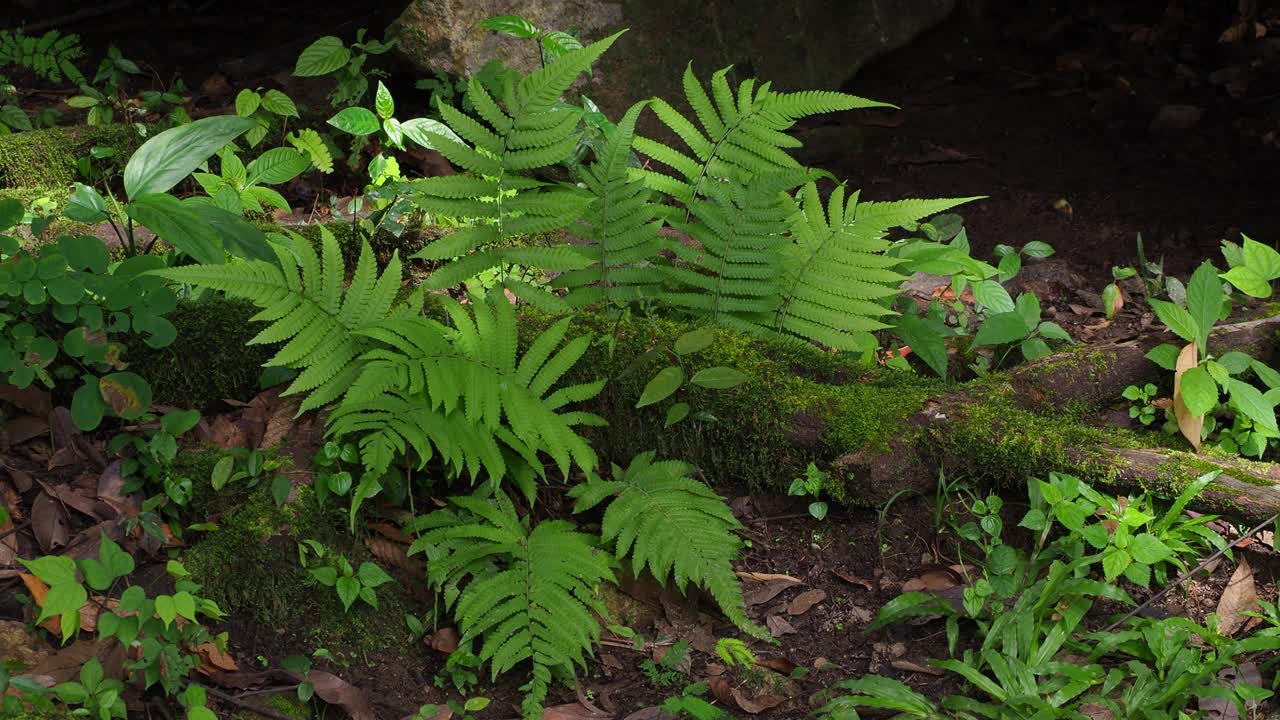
x=468 y=393
x=51 y=56
x=309 y=142
x=620 y=222
x=835 y=276
x=526 y=131
x=529 y=596
x=740 y=136
x=303 y=298
x=674 y=526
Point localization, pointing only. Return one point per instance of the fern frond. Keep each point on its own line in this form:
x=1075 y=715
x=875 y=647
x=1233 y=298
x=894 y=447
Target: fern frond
x=303 y=300
x=51 y=56
x=835 y=276
x=471 y=376
x=528 y=596
x=673 y=526
x=742 y=135
x=525 y=132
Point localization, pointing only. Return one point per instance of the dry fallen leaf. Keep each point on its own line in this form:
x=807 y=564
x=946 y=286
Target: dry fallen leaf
x=934 y=578
x=1189 y=425
x=1213 y=708
x=213 y=659
x=571 y=711
x=397 y=555
x=907 y=665
x=854 y=579
x=760 y=588
x=444 y=640
x=805 y=601
x=1238 y=597
x=778 y=626
x=336 y=691
x=49 y=522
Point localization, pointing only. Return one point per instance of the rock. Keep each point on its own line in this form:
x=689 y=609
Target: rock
x=1176 y=117
x=807 y=44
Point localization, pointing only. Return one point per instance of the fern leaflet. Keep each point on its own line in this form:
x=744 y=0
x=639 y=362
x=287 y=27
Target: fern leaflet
x=836 y=278
x=51 y=56
x=303 y=298
x=467 y=392
x=527 y=595
x=674 y=526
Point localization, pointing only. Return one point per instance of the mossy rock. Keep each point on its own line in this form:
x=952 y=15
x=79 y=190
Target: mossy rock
x=250 y=567
x=210 y=360
x=47 y=158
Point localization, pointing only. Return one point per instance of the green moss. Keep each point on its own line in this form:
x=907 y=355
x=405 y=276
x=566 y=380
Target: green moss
x=209 y=361
x=47 y=158
x=289 y=706
x=250 y=567
x=800 y=404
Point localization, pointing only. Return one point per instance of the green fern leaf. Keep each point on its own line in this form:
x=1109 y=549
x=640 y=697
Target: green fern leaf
x=674 y=527
x=528 y=596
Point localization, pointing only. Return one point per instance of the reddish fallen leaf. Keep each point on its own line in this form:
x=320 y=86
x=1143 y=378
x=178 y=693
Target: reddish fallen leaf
x=650 y=713
x=336 y=691
x=1238 y=597
x=213 y=659
x=933 y=578
x=444 y=640
x=572 y=711
x=778 y=626
x=611 y=663
x=23 y=428
x=854 y=580
x=391 y=532
x=779 y=664
x=227 y=433
x=111 y=490
x=397 y=555
x=65 y=664
x=907 y=665
x=1213 y=708
x=805 y=601
x=31 y=398
x=49 y=522
x=760 y=588
x=68 y=496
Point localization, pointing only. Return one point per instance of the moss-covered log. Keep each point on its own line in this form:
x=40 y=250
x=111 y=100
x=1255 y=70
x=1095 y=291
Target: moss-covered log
x=46 y=159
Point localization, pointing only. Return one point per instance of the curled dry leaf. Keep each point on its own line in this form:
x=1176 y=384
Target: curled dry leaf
x=572 y=711
x=1189 y=425
x=854 y=580
x=213 y=659
x=336 y=691
x=49 y=522
x=396 y=555
x=908 y=665
x=760 y=588
x=805 y=601
x=934 y=578
x=742 y=698
x=444 y=640
x=1214 y=708
x=1238 y=597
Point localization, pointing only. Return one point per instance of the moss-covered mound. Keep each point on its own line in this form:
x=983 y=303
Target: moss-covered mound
x=47 y=158
x=209 y=361
x=250 y=567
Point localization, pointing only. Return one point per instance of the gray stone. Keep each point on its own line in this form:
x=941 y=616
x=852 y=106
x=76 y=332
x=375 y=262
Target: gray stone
x=798 y=45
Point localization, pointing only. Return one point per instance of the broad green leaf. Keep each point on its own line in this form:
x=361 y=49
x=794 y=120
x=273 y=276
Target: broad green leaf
x=420 y=131
x=1204 y=301
x=1053 y=331
x=1010 y=265
x=1001 y=329
x=371 y=575
x=1179 y=321
x=1236 y=362
x=926 y=340
x=128 y=394
x=52 y=569
x=279 y=103
x=1114 y=562
x=356 y=121
x=168 y=158
x=1165 y=355
x=166 y=609
x=1034 y=349
x=1261 y=258
x=1250 y=401
x=1149 y=549
x=1028 y=305
x=111 y=564
x=512 y=25
x=695 y=341
x=85 y=252
x=87 y=405
x=322 y=57
x=348 y=590
x=1037 y=249
x=666 y=382
x=178 y=422
x=383 y=102
x=719 y=378
x=247 y=102
x=1248 y=281
x=276 y=166
x=675 y=414
x=222 y=472
x=178 y=224
x=993 y=295
x=1199 y=391
x=86 y=205
x=1218 y=372
x=1269 y=377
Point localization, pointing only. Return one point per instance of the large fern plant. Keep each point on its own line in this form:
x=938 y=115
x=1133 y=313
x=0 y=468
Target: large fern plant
x=517 y=133
x=527 y=595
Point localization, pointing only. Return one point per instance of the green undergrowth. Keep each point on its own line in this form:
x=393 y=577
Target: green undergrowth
x=249 y=565
x=47 y=158
x=210 y=362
